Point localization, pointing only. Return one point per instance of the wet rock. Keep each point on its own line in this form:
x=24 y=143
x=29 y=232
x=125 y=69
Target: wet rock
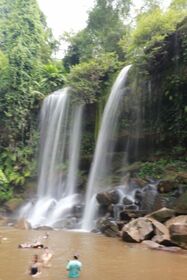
x=151 y=244
x=127 y=201
x=161 y=232
x=104 y=198
x=162 y=214
x=172 y=249
x=181 y=204
x=13 y=204
x=178 y=230
x=178 y=233
x=162 y=240
x=137 y=230
x=46 y=228
x=23 y=224
x=117 y=210
x=104 y=209
x=182 y=219
x=151 y=200
x=107 y=198
x=132 y=207
x=131 y=214
x=159 y=228
x=114 y=196
x=155 y=246
x=120 y=225
x=108 y=227
x=124 y=216
x=138 y=196
x=78 y=210
x=166 y=186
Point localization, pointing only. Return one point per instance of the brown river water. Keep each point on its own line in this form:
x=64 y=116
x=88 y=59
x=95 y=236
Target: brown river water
x=102 y=257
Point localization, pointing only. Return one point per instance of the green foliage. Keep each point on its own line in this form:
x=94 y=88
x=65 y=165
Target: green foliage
x=53 y=77
x=104 y=30
x=6 y=192
x=26 y=73
x=87 y=146
x=4 y=70
x=80 y=48
x=17 y=164
x=105 y=25
x=152 y=26
x=152 y=169
x=162 y=168
x=88 y=79
x=180 y=5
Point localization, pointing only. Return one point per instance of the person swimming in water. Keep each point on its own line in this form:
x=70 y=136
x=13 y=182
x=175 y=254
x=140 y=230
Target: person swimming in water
x=74 y=267
x=46 y=235
x=35 y=245
x=46 y=257
x=34 y=269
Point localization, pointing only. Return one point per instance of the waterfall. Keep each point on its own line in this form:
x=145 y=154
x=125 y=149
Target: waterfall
x=54 y=116
x=101 y=163
x=60 y=135
x=74 y=150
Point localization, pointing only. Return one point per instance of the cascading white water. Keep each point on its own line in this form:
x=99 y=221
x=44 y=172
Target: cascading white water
x=74 y=151
x=60 y=133
x=54 y=115
x=101 y=162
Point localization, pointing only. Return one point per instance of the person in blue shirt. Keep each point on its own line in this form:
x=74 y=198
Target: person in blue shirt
x=74 y=267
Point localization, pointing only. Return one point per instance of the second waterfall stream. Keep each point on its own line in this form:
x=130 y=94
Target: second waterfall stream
x=101 y=164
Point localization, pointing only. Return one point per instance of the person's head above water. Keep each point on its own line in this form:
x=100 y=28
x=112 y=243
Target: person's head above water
x=76 y=257
x=35 y=258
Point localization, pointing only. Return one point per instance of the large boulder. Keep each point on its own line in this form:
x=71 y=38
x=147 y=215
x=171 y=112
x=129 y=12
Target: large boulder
x=182 y=219
x=161 y=232
x=137 y=230
x=178 y=233
x=178 y=230
x=162 y=214
x=159 y=228
x=107 y=198
x=104 y=198
x=114 y=196
x=108 y=227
